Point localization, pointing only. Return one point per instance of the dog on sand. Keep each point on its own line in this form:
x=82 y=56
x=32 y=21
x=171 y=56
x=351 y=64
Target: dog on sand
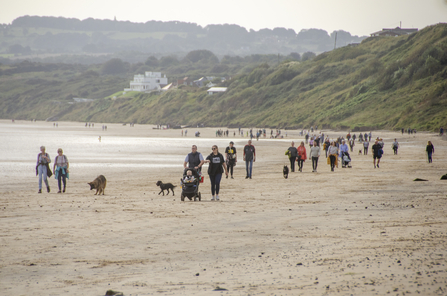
x=285 y=172
x=99 y=184
x=360 y=152
x=165 y=186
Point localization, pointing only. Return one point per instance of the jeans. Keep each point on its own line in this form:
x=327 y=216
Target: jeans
x=314 y=163
x=430 y=160
x=365 y=150
x=215 y=183
x=61 y=177
x=292 y=163
x=42 y=171
x=332 y=158
x=249 y=167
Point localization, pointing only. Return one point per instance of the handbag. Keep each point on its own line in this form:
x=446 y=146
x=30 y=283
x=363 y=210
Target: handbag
x=49 y=173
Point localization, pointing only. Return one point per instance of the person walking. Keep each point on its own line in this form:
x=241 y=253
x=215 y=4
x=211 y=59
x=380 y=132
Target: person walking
x=249 y=158
x=194 y=160
x=216 y=161
x=333 y=155
x=327 y=143
x=430 y=150
x=301 y=156
x=395 y=146
x=292 y=152
x=352 y=144
x=43 y=169
x=314 y=154
x=231 y=157
x=365 y=147
x=60 y=169
x=377 y=153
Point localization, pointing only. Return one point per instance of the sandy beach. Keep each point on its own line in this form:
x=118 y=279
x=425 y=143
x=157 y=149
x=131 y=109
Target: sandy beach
x=355 y=231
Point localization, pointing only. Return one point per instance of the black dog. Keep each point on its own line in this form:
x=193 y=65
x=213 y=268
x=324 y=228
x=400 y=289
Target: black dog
x=285 y=172
x=165 y=186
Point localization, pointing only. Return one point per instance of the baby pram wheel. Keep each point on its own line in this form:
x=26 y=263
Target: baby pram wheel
x=182 y=197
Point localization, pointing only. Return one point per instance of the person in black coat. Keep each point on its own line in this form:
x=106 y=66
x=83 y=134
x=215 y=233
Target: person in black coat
x=215 y=169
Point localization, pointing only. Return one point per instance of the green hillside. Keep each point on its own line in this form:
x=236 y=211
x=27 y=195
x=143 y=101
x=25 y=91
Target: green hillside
x=386 y=82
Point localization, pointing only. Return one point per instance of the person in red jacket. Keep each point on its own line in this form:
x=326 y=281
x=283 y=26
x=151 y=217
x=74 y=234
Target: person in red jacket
x=301 y=156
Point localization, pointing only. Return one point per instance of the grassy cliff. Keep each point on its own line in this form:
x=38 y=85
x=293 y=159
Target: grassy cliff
x=385 y=82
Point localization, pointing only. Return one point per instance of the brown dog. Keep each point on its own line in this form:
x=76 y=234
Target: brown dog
x=99 y=184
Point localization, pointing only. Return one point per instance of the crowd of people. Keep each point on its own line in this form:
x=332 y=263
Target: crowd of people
x=336 y=150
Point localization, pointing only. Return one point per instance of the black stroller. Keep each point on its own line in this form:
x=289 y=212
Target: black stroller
x=190 y=188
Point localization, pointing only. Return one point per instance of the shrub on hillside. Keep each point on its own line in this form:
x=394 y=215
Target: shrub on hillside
x=113 y=67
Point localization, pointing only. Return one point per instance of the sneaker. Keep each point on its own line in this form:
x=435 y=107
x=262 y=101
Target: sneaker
x=63 y=190
x=227 y=177
x=374 y=166
x=48 y=189
x=232 y=177
x=59 y=191
x=246 y=177
x=40 y=191
x=250 y=177
x=213 y=199
x=217 y=197
x=378 y=166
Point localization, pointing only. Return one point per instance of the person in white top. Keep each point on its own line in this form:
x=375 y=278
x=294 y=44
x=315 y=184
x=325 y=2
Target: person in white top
x=314 y=154
x=333 y=154
x=60 y=169
x=42 y=167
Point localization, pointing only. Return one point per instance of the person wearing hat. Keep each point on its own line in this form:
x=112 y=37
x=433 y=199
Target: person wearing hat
x=231 y=158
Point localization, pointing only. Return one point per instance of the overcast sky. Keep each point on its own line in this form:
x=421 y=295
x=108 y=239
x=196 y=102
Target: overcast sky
x=359 y=17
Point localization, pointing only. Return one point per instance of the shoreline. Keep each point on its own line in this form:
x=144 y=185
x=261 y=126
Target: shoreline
x=153 y=126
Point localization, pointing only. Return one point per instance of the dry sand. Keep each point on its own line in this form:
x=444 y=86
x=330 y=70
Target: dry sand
x=358 y=231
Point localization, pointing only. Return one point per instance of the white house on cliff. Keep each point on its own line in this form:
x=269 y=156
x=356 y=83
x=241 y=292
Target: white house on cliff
x=147 y=82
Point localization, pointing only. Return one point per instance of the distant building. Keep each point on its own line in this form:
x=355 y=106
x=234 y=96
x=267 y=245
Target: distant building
x=393 y=32
x=185 y=81
x=147 y=82
x=207 y=81
x=168 y=87
x=216 y=90
x=201 y=82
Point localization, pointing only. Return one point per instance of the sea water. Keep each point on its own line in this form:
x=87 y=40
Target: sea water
x=20 y=144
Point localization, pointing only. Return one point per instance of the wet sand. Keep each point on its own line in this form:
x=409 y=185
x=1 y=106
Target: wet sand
x=358 y=231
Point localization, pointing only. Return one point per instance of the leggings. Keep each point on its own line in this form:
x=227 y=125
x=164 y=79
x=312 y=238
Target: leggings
x=300 y=163
x=215 y=183
x=230 y=167
x=292 y=163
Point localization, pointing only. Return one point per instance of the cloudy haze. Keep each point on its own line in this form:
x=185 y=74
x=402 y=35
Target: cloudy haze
x=359 y=17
